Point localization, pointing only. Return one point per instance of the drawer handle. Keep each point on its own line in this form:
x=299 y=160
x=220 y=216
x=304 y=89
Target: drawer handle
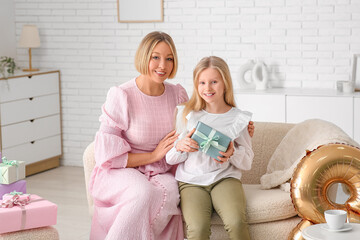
x=30 y=76
x=32 y=142
x=31 y=98
x=32 y=120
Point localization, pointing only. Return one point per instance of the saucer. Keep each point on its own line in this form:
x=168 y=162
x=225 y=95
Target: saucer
x=346 y=227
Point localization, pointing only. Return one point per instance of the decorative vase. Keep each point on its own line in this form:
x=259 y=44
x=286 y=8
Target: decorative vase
x=243 y=70
x=260 y=75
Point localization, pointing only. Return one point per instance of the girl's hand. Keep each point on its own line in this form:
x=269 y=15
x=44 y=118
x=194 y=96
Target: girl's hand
x=226 y=155
x=251 y=128
x=164 y=145
x=187 y=144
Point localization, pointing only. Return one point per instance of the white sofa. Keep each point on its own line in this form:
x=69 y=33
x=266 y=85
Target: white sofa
x=271 y=214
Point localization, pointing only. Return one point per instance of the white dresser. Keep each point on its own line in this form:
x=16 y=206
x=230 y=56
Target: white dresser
x=297 y=105
x=30 y=119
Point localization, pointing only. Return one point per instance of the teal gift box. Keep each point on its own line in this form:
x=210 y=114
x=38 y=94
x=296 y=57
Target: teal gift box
x=210 y=141
x=11 y=171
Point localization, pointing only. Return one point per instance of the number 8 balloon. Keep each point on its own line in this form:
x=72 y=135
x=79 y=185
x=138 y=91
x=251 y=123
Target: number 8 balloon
x=313 y=177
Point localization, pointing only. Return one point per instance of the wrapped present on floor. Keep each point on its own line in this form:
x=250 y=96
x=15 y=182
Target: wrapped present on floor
x=18 y=213
x=11 y=171
x=210 y=141
x=19 y=186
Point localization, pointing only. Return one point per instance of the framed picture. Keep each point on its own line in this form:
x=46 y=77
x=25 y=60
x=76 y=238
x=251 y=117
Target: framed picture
x=356 y=72
x=140 y=10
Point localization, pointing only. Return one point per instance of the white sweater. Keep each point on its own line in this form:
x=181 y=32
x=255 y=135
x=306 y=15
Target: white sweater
x=199 y=168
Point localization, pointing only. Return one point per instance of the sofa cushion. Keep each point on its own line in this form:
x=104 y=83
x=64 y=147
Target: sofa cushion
x=260 y=231
x=264 y=205
x=267 y=137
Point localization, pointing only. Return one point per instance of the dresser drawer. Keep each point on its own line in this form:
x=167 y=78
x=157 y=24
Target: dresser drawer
x=25 y=87
x=30 y=108
x=35 y=151
x=24 y=132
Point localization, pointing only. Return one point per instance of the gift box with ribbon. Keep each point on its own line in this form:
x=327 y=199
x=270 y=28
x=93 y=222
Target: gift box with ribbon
x=210 y=141
x=19 y=186
x=19 y=213
x=11 y=171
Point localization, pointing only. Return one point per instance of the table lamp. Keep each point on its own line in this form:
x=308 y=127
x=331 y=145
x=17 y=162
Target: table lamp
x=29 y=38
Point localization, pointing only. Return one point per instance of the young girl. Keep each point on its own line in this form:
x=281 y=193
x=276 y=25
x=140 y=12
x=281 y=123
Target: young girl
x=206 y=183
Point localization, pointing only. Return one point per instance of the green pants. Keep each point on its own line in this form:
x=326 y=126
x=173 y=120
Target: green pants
x=226 y=197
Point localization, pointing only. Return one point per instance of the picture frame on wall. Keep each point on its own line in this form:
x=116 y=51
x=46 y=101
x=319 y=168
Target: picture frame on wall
x=356 y=72
x=138 y=11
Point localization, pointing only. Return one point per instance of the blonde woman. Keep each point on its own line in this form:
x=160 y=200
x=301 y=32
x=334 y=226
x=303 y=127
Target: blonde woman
x=206 y=183
x=135 y=195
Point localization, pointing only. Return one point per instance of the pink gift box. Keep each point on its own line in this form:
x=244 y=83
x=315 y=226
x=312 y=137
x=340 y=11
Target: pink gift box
x=38 y=212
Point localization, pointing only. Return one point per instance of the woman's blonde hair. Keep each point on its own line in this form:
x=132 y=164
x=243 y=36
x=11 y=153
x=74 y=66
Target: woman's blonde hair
x=146 y=47
x=196 y=103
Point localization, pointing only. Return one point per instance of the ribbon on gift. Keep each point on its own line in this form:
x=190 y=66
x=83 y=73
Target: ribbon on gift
x=15 y=201
x=15 y=193
x=22 y=195
x=210 y=140
x=9 y=162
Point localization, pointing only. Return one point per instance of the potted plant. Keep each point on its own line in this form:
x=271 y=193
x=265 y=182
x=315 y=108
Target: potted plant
x=7 y=66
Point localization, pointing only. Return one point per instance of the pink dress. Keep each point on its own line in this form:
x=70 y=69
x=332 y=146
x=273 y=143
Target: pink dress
x=135 y=203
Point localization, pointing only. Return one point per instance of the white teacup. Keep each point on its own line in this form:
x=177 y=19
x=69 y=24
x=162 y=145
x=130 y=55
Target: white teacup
x=335 y=219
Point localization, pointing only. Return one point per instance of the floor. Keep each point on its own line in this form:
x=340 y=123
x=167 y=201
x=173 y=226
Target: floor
x=65 y=186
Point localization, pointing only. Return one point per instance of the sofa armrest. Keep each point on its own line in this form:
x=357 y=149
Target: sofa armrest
x=89 y=163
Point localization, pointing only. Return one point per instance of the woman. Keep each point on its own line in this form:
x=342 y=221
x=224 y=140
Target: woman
x=135 y=195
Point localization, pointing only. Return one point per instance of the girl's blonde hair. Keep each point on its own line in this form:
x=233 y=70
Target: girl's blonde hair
x=146 y=47
x=196 y=103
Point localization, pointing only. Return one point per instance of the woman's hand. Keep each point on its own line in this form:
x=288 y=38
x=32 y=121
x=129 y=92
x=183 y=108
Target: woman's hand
x=226 y=155
x=187 y=144
x=251 y=128
x=164 y=145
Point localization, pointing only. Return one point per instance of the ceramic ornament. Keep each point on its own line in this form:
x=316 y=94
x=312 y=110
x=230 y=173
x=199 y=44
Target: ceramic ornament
x=259 y=75
x=243 y=70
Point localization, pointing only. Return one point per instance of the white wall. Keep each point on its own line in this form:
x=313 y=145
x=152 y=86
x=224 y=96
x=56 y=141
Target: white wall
x=307 y=43
x=7 y=29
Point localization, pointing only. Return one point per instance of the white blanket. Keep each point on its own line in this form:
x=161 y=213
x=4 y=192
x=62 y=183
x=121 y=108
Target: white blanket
x=307 y=135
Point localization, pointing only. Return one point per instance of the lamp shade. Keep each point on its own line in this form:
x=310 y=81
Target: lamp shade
x=29 y=37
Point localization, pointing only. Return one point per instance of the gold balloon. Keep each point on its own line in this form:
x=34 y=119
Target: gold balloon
x=295 y=234
x=316 y=172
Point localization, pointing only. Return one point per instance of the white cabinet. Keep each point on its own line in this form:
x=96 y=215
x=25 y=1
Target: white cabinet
x=30 y=119
x=297 y=105
x=269 y=108
x=338 y=110
x=357 y=119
